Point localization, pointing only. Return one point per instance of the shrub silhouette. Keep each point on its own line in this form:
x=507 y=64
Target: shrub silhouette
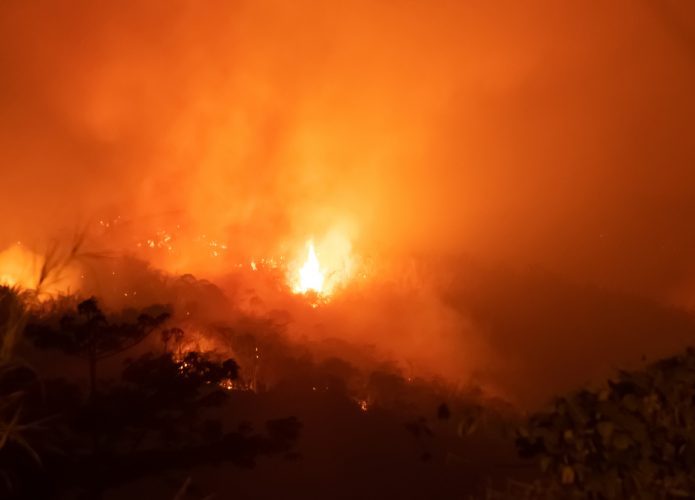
x=634 y=439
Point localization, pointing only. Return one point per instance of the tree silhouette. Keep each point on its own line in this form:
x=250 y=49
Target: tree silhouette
x=89 y=334
x=152 y=416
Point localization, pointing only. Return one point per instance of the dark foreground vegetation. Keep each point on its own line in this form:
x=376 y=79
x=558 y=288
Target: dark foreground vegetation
x=633 y=439
x=61 y=437
x=91 y=403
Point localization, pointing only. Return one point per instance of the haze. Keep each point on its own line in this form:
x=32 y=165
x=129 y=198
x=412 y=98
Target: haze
x=540 y=138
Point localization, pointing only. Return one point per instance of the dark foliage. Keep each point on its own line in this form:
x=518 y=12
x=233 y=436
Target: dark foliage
x=443 y=412
x=90 y=334
x=156 y=414
x=635 y=439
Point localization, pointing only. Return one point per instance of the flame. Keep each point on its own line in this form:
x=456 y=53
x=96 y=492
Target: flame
x=310 y=276
x=20 y=267
x=323 y=279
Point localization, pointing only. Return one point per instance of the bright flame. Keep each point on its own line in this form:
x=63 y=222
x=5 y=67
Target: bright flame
x=19 y=267
x=22 y=268
x=325 y=278
x=310 y=275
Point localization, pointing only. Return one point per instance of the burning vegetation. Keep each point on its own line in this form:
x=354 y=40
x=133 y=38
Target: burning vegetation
x=143 y=395
x=347 y=250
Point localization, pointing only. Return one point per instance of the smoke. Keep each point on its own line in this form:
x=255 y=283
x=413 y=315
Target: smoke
x=534 y=135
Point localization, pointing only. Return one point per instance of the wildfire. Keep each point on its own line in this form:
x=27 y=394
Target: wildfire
x=322 y=279
x=18 y=267
x=311 y=277
x=21 y=267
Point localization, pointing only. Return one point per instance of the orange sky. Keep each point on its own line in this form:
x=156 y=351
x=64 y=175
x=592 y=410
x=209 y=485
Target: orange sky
x=540 y=133
x=521 y=151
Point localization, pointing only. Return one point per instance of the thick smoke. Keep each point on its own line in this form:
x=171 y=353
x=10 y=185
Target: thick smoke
x=526 y=136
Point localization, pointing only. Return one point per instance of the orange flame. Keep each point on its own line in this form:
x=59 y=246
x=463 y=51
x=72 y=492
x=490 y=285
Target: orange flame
x=324 y=278
x=310 y=276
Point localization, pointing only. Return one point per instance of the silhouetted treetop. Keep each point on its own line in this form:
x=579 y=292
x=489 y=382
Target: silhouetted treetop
x=89 y=333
